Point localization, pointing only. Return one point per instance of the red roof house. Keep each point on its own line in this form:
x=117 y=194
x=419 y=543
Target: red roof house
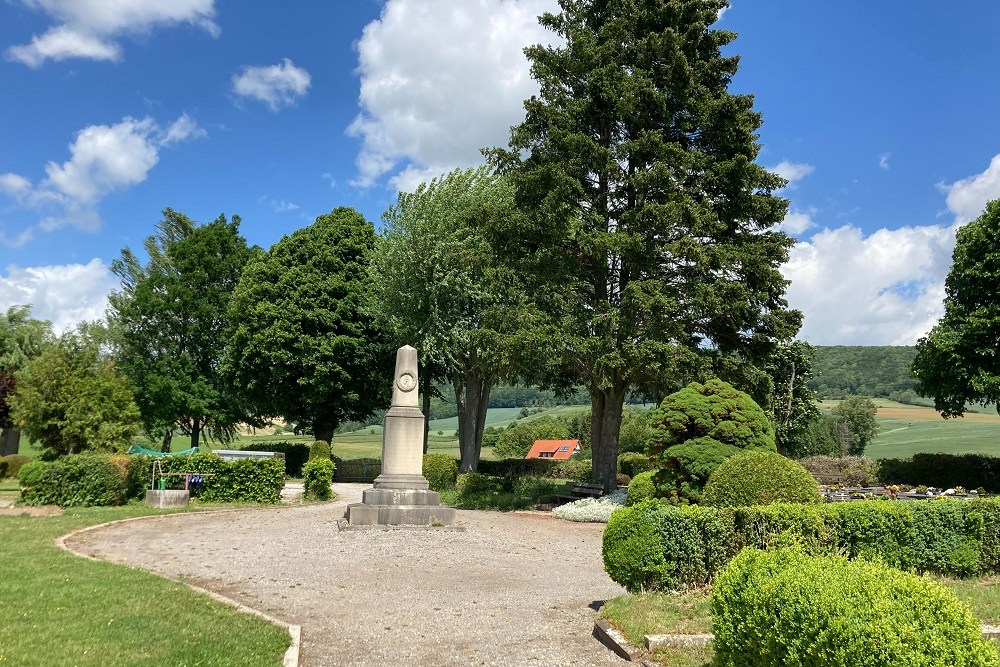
x=553 y=449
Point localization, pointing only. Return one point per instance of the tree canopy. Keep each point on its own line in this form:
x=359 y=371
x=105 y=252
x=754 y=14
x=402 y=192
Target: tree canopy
x=645 y=229
x=22 y=337
x=170 y=319
x=439 y=289
x=303 y=344
x=957 y=362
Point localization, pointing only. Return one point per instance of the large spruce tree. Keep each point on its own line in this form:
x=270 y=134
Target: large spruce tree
x=645 y=226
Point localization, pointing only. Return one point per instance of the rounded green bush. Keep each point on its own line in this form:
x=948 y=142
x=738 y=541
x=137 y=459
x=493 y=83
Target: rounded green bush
x=31 y=473
x=440 y=470
x=317 y=475
x=782 y=607
x=760 y=478
x=633 y=463
x=319 y=449
x=476 y=482
x=640 y=488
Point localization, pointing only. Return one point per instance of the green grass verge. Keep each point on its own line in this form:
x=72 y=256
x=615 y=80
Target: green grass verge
x=59 y=609
x=899 y=438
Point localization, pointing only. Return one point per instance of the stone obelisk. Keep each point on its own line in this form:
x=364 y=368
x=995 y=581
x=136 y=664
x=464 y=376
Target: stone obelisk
x=401 y=495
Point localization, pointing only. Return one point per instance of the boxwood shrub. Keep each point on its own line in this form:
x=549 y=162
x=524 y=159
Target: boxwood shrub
x=296 y=454
x=641 y=488
x=81 y=480
x=319 y=449
x=317 y=476
x=948 y=537
x=759 y=478
x=440 y=470
x=784 y=607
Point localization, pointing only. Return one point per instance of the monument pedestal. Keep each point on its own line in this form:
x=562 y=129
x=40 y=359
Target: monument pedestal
x=401 y=496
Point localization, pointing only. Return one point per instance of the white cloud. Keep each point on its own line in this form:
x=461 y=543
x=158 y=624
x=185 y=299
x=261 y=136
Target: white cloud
x=797 y=221
x=103 y=159
x=883 y=160
x=90 y=28
x=279 y=206
x=967 y=198
x=441 y=80
x=276 y=85
x=64 y=294
x=792 y=172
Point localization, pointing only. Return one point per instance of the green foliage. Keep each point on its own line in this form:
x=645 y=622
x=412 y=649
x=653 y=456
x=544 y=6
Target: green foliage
x=943 y=471
x=862 y=370
x=520 y=467
x=13 y=464
x=516 y=441
x=783 y=607
x=317 y=476
x=31 y=473
x=855 y=424
x=436 y=285
x=636 y=432
x=956 y=363
x=319 y=449
x=760 y=478
x=475 y=490
x=849 y=470
x=641 y=487
x=633 y=463
x=303 y=344
x=243 y=480
x=440 y=470
x=644 y=224
x=71 y=398
x=949 y=538
x=3 y=468
x=475 y=482
x=21 y=338
x=81 y=480
x=169 y=321
x=576 y=469
x=296 y=454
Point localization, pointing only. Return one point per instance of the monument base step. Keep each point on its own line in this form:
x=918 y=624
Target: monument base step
x=400 y=507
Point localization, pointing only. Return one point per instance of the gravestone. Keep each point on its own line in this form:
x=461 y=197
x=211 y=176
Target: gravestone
x=401 y=495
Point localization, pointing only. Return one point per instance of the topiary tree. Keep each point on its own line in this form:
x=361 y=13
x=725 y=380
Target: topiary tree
x=760 y=478
x=440 y=470
x=317 y=475
x=320 y=449
x=697 y=428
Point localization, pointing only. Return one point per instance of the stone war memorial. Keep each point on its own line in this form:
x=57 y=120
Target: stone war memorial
x=401 y=496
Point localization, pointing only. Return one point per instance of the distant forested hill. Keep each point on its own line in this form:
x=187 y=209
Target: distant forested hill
x=882 y=371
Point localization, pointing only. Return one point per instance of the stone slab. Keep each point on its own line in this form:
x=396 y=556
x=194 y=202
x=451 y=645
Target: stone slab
x=360 y=514
x=167 y=499
x=401 y=481
x=384 y=496
x=654 y=642
x=343 y=524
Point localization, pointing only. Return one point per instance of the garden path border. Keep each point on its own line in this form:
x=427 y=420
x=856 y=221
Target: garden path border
x=291 y=657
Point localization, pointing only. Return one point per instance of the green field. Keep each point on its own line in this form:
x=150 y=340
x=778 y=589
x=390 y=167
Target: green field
x=901 y=438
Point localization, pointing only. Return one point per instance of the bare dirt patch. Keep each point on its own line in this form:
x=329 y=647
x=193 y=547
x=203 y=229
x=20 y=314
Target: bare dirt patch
x=45 y=510
x=510 y=590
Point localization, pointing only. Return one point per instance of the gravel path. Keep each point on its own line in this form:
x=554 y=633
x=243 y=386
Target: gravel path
x=514 y=589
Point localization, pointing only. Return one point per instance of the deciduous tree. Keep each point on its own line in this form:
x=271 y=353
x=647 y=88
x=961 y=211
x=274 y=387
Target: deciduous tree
x=22 y=337
x=645 y=228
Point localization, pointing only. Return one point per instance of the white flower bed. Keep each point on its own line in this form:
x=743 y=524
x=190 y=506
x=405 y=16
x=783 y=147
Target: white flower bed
x=595 y=510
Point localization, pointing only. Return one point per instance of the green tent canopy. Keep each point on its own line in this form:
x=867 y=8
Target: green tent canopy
x=136 y=449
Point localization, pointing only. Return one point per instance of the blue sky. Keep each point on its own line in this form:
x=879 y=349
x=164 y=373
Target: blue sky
x=883 y=116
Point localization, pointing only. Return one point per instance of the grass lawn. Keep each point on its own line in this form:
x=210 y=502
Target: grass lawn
x=688 y=613
x=9 y=489
x=59 y=609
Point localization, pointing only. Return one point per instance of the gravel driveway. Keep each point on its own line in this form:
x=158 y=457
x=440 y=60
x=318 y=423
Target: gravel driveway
x=513 y=589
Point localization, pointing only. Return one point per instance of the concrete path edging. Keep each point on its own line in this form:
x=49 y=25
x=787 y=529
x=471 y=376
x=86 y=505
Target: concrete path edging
x=291 y=657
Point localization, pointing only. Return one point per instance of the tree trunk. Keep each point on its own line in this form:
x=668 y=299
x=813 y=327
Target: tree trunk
x=605 y=426
x=168 y=437
x=10 y=440
x=472 y=397
x=427 y=381
x=195 y=432
x=323 y=430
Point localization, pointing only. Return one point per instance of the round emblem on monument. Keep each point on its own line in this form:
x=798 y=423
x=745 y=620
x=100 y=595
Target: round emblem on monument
x=406 y=382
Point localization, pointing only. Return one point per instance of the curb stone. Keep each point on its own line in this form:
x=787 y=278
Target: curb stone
x=291 y=657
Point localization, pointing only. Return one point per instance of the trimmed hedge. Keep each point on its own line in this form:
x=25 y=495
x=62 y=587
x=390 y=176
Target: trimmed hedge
x=296 y=454
x=90 y=479
x=10 y=465
x=319 y=449
x=783 y=607
x=948 y=537
x=759 y=478
x=440 y=470
x=641 y=488
x=317 y=476
x=943 y=471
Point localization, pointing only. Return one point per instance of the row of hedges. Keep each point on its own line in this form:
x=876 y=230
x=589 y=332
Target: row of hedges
x=783 y=607
x=944 y=471
x=658 y=546
x=296 y=454
x=87 y=479
x=10 y=465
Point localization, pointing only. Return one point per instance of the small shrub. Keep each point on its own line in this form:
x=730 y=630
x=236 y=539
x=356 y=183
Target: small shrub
x=784 y=607
x=440 y=470
x=296 y=454
x=633 y=463
x=641 y=488
x=475 y=482
x=621 y=479
x=760 y=478
x=81 y=480
x=317 y=476
x=31 y=473
x=3 y=468
x=319 y=449
x=687 y=467
x=578 y=470
x=849 y=470
x=14 y=463
x=519 y=467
